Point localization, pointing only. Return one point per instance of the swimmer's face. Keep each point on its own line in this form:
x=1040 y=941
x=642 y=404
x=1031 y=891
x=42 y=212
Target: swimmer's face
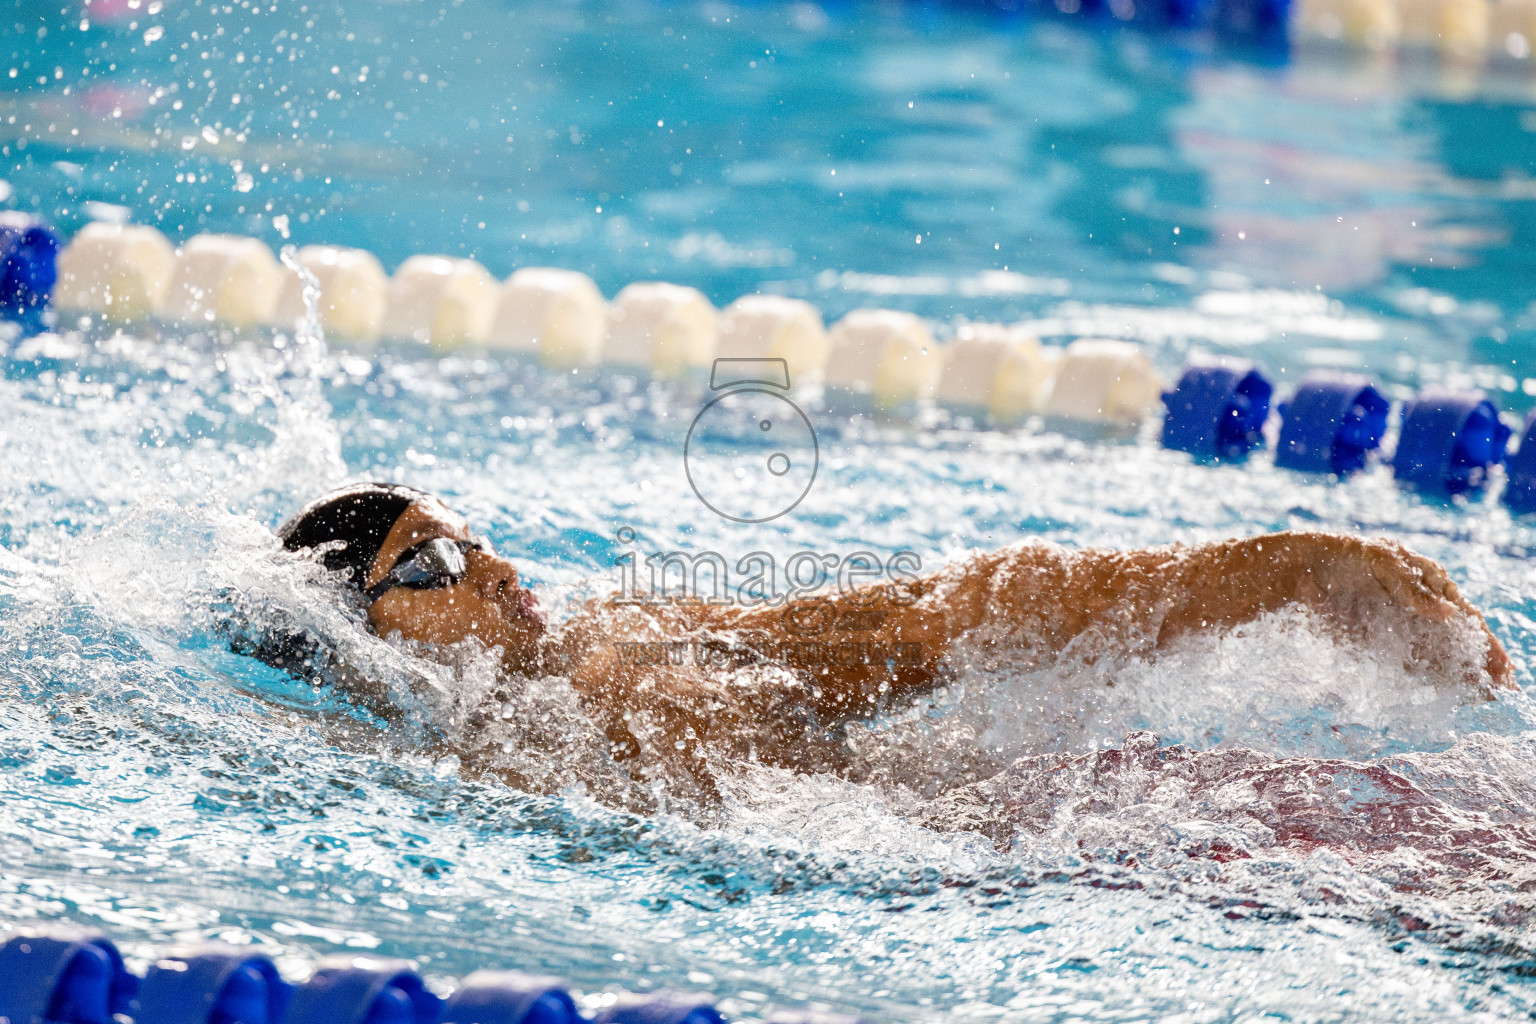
x=487 y=603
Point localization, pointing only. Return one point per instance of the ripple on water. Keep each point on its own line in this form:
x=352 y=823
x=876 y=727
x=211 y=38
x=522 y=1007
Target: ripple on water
x=1015 y=845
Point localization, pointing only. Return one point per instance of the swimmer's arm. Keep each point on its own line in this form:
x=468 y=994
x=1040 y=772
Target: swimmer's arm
x=856 y=652
x=1040 y=598
x=1032 y=598
x=1155 y=596
x=635 y=670
x=1341 y=577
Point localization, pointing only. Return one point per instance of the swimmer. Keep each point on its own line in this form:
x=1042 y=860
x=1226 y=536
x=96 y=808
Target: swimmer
x=753 y=687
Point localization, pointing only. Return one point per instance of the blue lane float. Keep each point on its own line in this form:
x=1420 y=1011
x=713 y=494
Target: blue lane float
x=1217 y=410
x=29 y=254
x=661 y=1008
x=1331 y=424
x=212 y=984
x=363 y=990
x=1520 y=490
x=1260 y=21
x=68 y=977
x=1449 y=442
x=510 y=997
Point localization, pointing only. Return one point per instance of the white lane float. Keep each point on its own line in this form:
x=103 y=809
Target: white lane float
x=123 y=272
x=775 y=327
x=444 y=301
x=1460 y=31
x=354 y=292
x=1104 y=381
x=1457 y=29
x=998 y=369
x=666 y=327
x=558 y=314
x=120 y=272
x=228 y=280
x=1370 y=24
x=888 y=354
x=1512 y=28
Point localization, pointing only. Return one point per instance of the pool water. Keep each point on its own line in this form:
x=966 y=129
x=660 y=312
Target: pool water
x=1319 y=832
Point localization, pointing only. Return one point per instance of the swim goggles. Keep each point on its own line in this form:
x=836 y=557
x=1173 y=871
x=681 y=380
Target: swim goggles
x=427 y=566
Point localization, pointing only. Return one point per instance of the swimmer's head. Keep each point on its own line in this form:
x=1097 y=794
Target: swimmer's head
x=350 y=525
x=418 y=570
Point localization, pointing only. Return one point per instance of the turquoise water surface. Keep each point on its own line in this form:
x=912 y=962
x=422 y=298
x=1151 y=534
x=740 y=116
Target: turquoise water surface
x=1321 y=210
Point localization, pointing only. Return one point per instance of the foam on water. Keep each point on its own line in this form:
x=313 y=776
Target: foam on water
x=1276 y=821
x=1016 y=845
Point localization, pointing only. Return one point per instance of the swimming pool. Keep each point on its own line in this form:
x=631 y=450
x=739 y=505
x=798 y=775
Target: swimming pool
x=1330 y=211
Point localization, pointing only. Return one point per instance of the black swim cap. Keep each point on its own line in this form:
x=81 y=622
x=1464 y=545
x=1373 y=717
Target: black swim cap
x=359 y=516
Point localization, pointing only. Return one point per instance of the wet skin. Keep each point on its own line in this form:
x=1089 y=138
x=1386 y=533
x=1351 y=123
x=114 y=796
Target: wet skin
x=487 y=603
x=1035 y=597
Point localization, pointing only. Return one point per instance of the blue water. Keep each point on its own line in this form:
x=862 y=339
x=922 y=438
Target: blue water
x=1329 y=211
